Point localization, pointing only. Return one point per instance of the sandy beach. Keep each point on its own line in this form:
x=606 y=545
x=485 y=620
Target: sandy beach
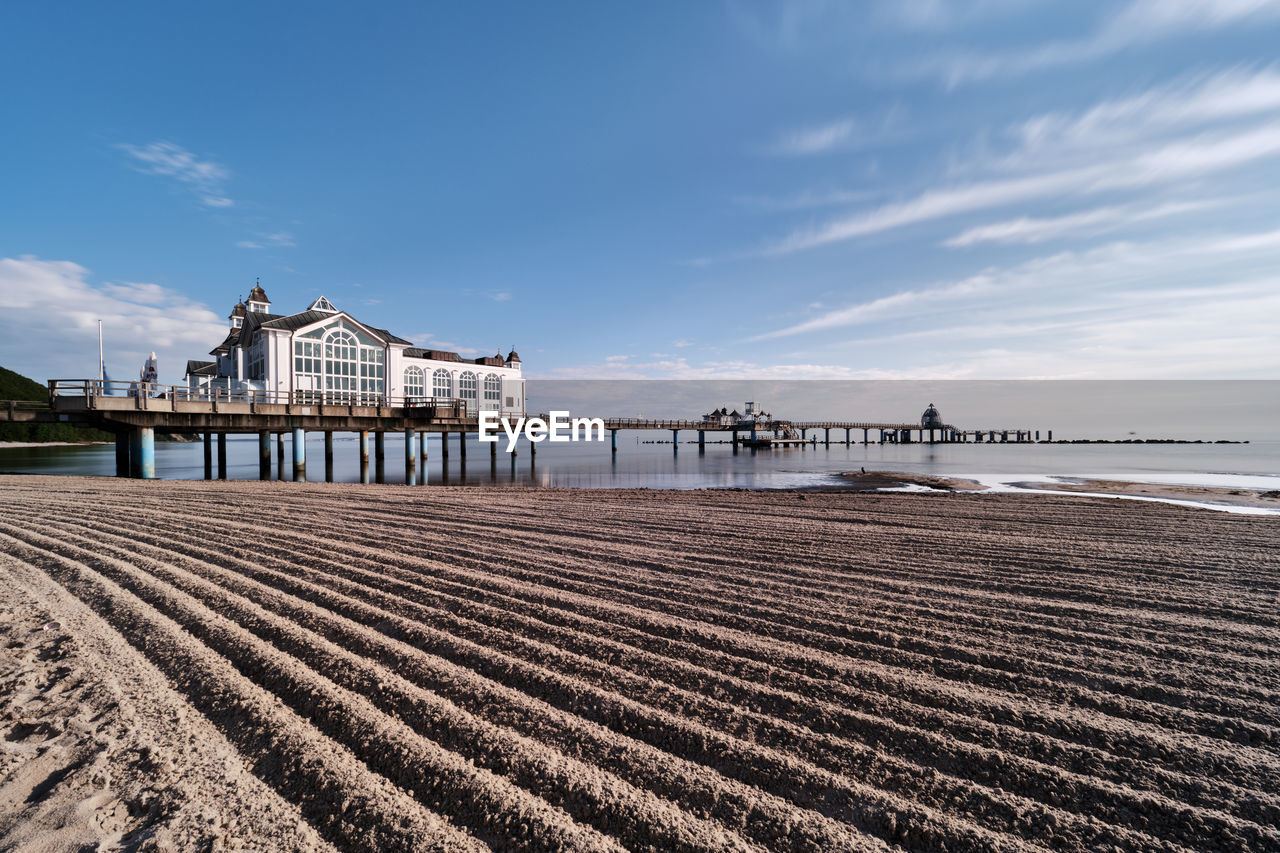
x=276 y=666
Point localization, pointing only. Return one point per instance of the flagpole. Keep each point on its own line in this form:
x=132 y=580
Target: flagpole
x=101 y=369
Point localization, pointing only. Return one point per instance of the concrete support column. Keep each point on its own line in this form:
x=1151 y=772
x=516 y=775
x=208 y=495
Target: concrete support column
x=380 y=456
x=462 y=446
x=675 y=441
x=1037 y=435
x=299 y=455
x=410 y=457
x=208 y=455
x=735 y=441
x=702 y=441
x=328 y=456
x=122 y=455
x=1051 y=435
x=135 y=453
x=279 y=456
x=493 y=451
x=423 y=438
x=826 y=439
x=222 y=456
x=142 y=453
x=613 y=441
x=264 y=455
x=444 y=446
x=364 y=456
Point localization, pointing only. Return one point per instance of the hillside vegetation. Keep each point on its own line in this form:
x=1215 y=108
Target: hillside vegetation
x=15 y=386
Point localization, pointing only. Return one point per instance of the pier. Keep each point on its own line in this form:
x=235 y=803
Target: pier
x=134 y=412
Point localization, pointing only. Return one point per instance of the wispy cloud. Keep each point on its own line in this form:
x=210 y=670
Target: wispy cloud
x=263 y=241
x=205 y=178
x=1064 y=281
x=815 y=140
x=1180 y=159
x=1138 y=22
x=1099 y=220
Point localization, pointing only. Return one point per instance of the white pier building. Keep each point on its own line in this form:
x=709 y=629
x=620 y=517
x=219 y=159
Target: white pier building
x=326 y=355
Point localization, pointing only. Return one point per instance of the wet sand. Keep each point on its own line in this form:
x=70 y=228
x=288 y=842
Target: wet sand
x=278 y=666
x=1203 y=494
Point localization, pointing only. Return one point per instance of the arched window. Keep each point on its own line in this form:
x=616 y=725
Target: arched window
x=341 y=365
x=492 y=392
x=414 y=385
x=442 y=383
x=467 y=387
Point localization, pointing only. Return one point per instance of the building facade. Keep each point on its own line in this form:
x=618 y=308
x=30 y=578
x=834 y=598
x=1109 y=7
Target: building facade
x=325 y=355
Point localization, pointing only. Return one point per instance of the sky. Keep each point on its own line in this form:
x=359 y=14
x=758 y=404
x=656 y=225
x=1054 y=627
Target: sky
x=907 y=189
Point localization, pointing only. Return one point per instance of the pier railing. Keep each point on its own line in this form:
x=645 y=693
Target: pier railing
x=111 y=393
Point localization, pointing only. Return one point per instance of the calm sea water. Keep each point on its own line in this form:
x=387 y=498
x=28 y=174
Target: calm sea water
x=639 y=464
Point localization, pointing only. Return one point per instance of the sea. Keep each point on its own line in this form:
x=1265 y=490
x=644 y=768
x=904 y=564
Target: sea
x=645 y=461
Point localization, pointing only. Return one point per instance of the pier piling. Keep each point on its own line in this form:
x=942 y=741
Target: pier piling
x=299 y=455
x=702 y=441
x=279 y=456
x=264 y=455
x=208 y=455
x=613 y=441
x=380 y=456
x=142 y=453
x=364 y=456
x=328 y=456
x=462 y=447
x=122 y=455
x=410 y=457
x=222 y=456
x=675 y=441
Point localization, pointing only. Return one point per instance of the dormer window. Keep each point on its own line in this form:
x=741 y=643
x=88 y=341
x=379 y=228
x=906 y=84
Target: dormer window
x=323 y=305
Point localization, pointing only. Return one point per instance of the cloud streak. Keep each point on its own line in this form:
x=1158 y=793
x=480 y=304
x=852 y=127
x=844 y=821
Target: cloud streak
x=1139 y=22
x=205 y=178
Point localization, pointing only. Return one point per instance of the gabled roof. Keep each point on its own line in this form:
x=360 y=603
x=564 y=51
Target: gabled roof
x=233 y=338
x=201 y=368
x=433 y=354
x=323 y=304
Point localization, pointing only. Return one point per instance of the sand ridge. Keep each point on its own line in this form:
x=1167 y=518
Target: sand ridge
x=548 y=669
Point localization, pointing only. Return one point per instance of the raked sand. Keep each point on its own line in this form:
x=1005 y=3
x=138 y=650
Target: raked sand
x=275 y=666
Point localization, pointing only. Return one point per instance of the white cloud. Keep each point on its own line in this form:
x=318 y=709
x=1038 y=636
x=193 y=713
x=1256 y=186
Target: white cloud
x=1028 y=229
x=53 y=309
x=500 y=296
x=1200 y=99
x=1179 y=159
x=816 y=140
x=1139 y=22
x=429 y=341
x=1152 y=308
x=279 y=238
x=204 y=177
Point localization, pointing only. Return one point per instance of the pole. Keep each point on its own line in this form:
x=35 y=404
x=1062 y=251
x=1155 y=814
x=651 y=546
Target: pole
x=102 y=370
x=380 y=456
x=364 y=456
x=264 y=454
x=411 y=457
x=208 y=455
x=299 y=455
x=222 y=456
x=328 y=456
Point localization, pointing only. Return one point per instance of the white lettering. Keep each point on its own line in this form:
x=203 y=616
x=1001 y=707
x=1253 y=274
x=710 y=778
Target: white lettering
x=512 y=434
x=560 y=428
x=488 y=423
x=586 y=425
x=559 y=420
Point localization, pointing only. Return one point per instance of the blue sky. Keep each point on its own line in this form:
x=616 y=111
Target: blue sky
x=982 y=189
